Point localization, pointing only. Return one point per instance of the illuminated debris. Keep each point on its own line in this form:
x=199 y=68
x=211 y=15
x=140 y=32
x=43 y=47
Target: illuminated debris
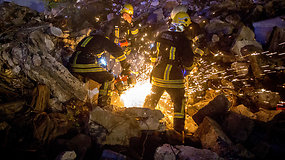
x=240 y=68
x=120 y=128
x=169 y=152
x=148 y=119
x=265 y=115
x=244 y=111
x=212 y=137
x=265 y=99
x=255 y=59
x=214 y=109
x=238 y=45
x=245 y=33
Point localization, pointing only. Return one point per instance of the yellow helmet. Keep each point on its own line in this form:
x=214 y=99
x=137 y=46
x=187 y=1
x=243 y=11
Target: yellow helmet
x=182 y=18
x=127 y=8
x=177 y=9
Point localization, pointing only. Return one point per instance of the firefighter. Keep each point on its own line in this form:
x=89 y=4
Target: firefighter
x=121 y=29
x=87 y=62
x=193 y=32
x=172 y=54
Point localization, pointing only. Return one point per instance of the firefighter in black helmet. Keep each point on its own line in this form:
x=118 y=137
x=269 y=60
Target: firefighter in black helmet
x=86 y=61
x=121 y=30
x=172 y=55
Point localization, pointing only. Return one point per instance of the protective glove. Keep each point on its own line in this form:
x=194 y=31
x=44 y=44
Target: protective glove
x=124 y=43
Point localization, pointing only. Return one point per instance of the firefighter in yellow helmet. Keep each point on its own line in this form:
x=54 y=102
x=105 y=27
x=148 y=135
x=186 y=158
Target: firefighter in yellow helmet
x=121 y=29
x=172 y=54
x=193 y=32
x=88 y=61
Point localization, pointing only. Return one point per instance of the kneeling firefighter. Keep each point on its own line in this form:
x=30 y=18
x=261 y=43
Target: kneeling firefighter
x=171 y=56
x=85 y=62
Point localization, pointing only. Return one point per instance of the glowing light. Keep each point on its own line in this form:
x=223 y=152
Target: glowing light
x=134 y=97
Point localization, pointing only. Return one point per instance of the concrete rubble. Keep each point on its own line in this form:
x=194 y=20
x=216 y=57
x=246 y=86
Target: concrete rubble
x=231 y=98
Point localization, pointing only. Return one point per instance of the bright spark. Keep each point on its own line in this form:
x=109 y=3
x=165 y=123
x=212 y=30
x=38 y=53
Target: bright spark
x=134 y=97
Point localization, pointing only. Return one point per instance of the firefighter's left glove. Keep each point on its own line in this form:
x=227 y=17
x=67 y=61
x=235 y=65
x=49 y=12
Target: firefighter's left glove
x=124 y=43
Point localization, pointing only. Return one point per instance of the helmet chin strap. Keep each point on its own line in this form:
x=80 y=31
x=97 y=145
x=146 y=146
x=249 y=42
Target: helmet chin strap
x=174 y=27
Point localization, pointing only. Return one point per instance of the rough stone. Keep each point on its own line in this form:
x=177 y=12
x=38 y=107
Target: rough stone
x=120 y=128
x=243 y=110
x=245 y=33
x=148 y=119
x=265 y=99
x=265 y=115
x=212 y=137
x=238 y=45
x=240 y=68
x=215 y=108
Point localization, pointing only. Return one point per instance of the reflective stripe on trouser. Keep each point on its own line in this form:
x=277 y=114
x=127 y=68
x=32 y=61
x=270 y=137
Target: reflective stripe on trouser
x=105 y=93
x=177 y=97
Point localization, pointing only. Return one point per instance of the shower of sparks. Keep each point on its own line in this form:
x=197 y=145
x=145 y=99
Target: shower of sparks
x=134 y=97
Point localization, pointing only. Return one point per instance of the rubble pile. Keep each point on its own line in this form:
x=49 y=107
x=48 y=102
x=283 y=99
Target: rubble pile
x=232 y=95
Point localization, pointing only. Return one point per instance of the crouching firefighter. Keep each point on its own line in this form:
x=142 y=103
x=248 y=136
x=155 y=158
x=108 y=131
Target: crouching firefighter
x=172 y=54
x=85 y=62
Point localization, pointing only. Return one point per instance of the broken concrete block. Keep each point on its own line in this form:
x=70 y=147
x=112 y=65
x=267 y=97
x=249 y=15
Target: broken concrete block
x=243 y=110
x=212 y=137
x=245 y=33
x=120 y=127
x=238 y=126
x=169 y=152
x=265 y=99
x=240 y=68
x=265 y=115
x=148 y=119
x=54 y=31
x=217 y=26
x=215 y=108
x=238 y=45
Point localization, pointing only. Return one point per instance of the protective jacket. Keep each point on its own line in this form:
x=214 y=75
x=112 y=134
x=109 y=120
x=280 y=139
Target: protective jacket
x=88 y=52
x=172 y=54
x=119 y=31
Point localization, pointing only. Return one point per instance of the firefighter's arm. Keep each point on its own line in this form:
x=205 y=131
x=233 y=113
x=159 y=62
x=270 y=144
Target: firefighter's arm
x=154 y=51
x=188 y=59
x=109 y=27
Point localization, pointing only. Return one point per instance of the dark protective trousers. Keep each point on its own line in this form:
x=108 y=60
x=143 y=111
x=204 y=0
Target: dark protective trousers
x=106 y=80
x=177 y=97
